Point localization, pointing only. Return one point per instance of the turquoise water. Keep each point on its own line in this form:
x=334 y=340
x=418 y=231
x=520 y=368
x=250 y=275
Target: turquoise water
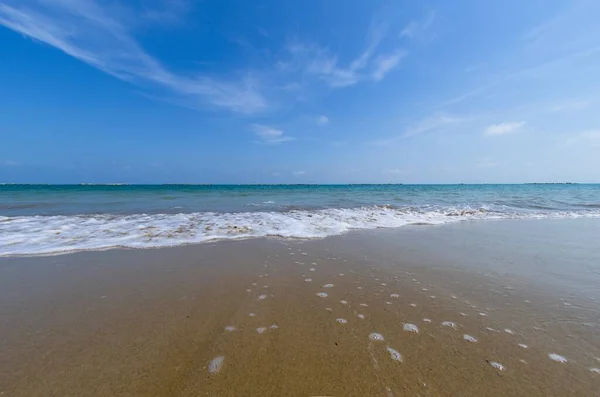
x=38 y=219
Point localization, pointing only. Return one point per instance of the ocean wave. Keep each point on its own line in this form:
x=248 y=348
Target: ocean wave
x=34 y=235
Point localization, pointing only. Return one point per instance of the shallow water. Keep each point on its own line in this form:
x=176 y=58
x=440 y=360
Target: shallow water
x=44 y=219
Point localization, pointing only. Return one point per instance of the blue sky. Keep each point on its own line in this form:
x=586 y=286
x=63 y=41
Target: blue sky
x=318 y=91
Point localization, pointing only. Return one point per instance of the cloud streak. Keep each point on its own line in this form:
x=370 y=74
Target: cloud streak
x=270 y=135
x=101 y=38
x=503 y=128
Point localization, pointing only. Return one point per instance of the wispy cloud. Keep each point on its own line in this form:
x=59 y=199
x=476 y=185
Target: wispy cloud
x=298 y=173
x=589 y=137
x=503 y=128
x=414 y=28
x=100 y=36
x=320 y=62
x=9 y=163
x=270 y=135
x=486 y=162
x=384 y=63
x=435 y=122
x=574 y=104
x=322 y=120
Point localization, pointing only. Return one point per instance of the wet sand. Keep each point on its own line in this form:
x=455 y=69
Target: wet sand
x=245 y=319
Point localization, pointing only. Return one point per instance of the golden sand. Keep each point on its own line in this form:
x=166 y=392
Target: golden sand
x=246 y=319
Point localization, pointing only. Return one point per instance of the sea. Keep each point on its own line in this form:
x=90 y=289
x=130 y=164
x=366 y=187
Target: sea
x=51 y=219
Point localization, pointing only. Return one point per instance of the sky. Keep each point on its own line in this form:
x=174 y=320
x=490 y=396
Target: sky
x=317 y=91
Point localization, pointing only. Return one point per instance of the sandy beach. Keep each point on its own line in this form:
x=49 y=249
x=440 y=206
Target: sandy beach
x=379 y=313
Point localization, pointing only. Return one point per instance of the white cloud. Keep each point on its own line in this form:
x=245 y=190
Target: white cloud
x=435 y=122
x=298 y=173
x=101 y=37
x=385 y=63
x=503 y=128
x=322 y=120
x=270 y=135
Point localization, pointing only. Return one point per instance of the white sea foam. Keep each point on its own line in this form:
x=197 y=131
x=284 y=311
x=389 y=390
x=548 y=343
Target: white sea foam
x=322 y=294
x=469 y=338
x=410 y=328
x=394 y=354
x=215 y=365
x=374 y=336
x=498 y=366
x=31 y=235
x=341 y=320
x=557 y=357
x=449 y=324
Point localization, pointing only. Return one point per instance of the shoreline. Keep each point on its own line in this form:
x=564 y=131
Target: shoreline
x=151 y=322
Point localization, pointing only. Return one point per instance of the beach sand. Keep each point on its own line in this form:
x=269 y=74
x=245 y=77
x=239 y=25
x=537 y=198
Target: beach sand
x=244 y=318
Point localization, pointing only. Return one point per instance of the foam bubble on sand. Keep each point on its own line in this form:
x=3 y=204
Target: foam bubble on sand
x=388 y=303
x=463 y=314
x=524 y=346
x=498 y=366
x=251 y=314
x=329 y=309
x=255 y=284
x=230 y=328
x=359 y=287
x=341 y=320
x=469 y=338
x=423 y=289
x=322 y=294
x=394 y=354
x=312 y=269
x=491 y=329
x=262 y=297
x=394 y=296
x=341 y=274
x=427 y=320
x=432 y=296
x=274 y=326
x=558 y=358
x=595 y=370
x=374 y=336
x=509 y=331
x=410 y=328
x=344 y=302
x=215 y=364
x=304 y=253
x=364 y=305
x=361 y=316
x=328 y=286
x=449 y=324
x=523 y=361
x=248 y=290
x=483 y=314
x=261 y=330
x=308 y=280
x=384 y=284
x=413 y=304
